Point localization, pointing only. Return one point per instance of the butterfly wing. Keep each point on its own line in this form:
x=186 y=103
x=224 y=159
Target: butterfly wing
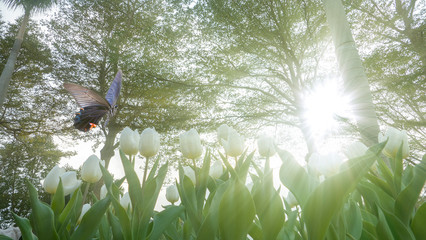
x=89 y=117
x=85 y=97
x=114 y=90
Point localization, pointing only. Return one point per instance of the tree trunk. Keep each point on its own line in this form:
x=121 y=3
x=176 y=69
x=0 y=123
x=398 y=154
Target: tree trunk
x=8 y=69
x=354 y=77
x=107 y=152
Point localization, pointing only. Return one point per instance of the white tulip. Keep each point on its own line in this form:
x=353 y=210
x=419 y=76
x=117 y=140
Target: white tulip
x=129 y=141
x=266 y=146
x=51 y=181
x=70 y=182
x=326 y=165
x=291 y=199
x=222 y=132
x=90 y=171
x=149 y=142
x=355 y=149
x=190 y=144
x=396 y=138
x=216 y=170
x=125 y=201
x=103 y=192
x=189 y=172
x=234 y=145
x=84 y=209
x=172 y=194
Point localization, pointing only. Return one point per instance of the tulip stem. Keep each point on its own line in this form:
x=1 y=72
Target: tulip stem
x=145 y=171
x=86 y=190
x=195 y=171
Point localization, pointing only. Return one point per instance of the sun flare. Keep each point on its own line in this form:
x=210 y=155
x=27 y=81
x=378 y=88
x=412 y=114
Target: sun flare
x=323 y=105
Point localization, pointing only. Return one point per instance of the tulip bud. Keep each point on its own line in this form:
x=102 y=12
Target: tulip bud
x=84 y=209
x=190 y=144
x=129 y=141
x=266 y=146
x=396 y=138
x=326 y=165
x=216 y=170
x=149 y=142
x=51 y=181
x=222 y=132
x=291 y=200
x=172 y=194
x=189 y=172
x=356 y=149
x=234 y=145
x=70 y=182
x=125 y=201
x=91 y=172
x=103 y=192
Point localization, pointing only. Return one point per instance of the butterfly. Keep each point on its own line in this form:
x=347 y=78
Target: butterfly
x=92 y=106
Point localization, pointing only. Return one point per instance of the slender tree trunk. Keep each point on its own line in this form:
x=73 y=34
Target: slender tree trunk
x=8 y=69
x=354 y=77
x=107 y=152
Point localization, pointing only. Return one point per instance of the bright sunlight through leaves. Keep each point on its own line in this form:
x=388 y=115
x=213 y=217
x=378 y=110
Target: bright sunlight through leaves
x=323 y=106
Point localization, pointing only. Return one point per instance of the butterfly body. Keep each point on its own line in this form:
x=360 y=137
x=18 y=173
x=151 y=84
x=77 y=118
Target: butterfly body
x=92 y=106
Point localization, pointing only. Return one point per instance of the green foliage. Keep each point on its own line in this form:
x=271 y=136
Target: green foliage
x=31 y=159
x=350 y=204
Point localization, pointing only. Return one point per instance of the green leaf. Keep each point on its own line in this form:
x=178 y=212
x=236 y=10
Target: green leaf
x=2 y=237
x=104 y=229
x=398 y=169
x=295 y=177
x=135 y=189
x=58 y=201
x=418 y=225
x=91 y=220
x=210 y=225
x=201 y=185
x=255 y=231
x=374 y=195
x=117 y=230
x=398 y=229
x=42 y=215
x=382 y=228
x=123 y=220
x=243 y=168
x=329 y=196
x=236 y=212
x=70 y=213
x=163 y=219
x=188 y=197
x=353 y=219
x=150 y=192
x=25 y=227
x=406 y=200
x=269 y=207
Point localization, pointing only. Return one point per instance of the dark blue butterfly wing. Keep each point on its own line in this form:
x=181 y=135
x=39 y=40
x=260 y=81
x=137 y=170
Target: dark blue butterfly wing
x=114 y=90
x=88 y=117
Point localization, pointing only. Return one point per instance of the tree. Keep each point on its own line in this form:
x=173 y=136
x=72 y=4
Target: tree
x=391 y=35
x=29 y=7
x=29 y=158
x=32 y=106
x=355 y=79
x=262 y=56
x=92 y=41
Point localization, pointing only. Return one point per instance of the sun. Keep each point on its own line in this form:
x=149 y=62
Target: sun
x=323 y=105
